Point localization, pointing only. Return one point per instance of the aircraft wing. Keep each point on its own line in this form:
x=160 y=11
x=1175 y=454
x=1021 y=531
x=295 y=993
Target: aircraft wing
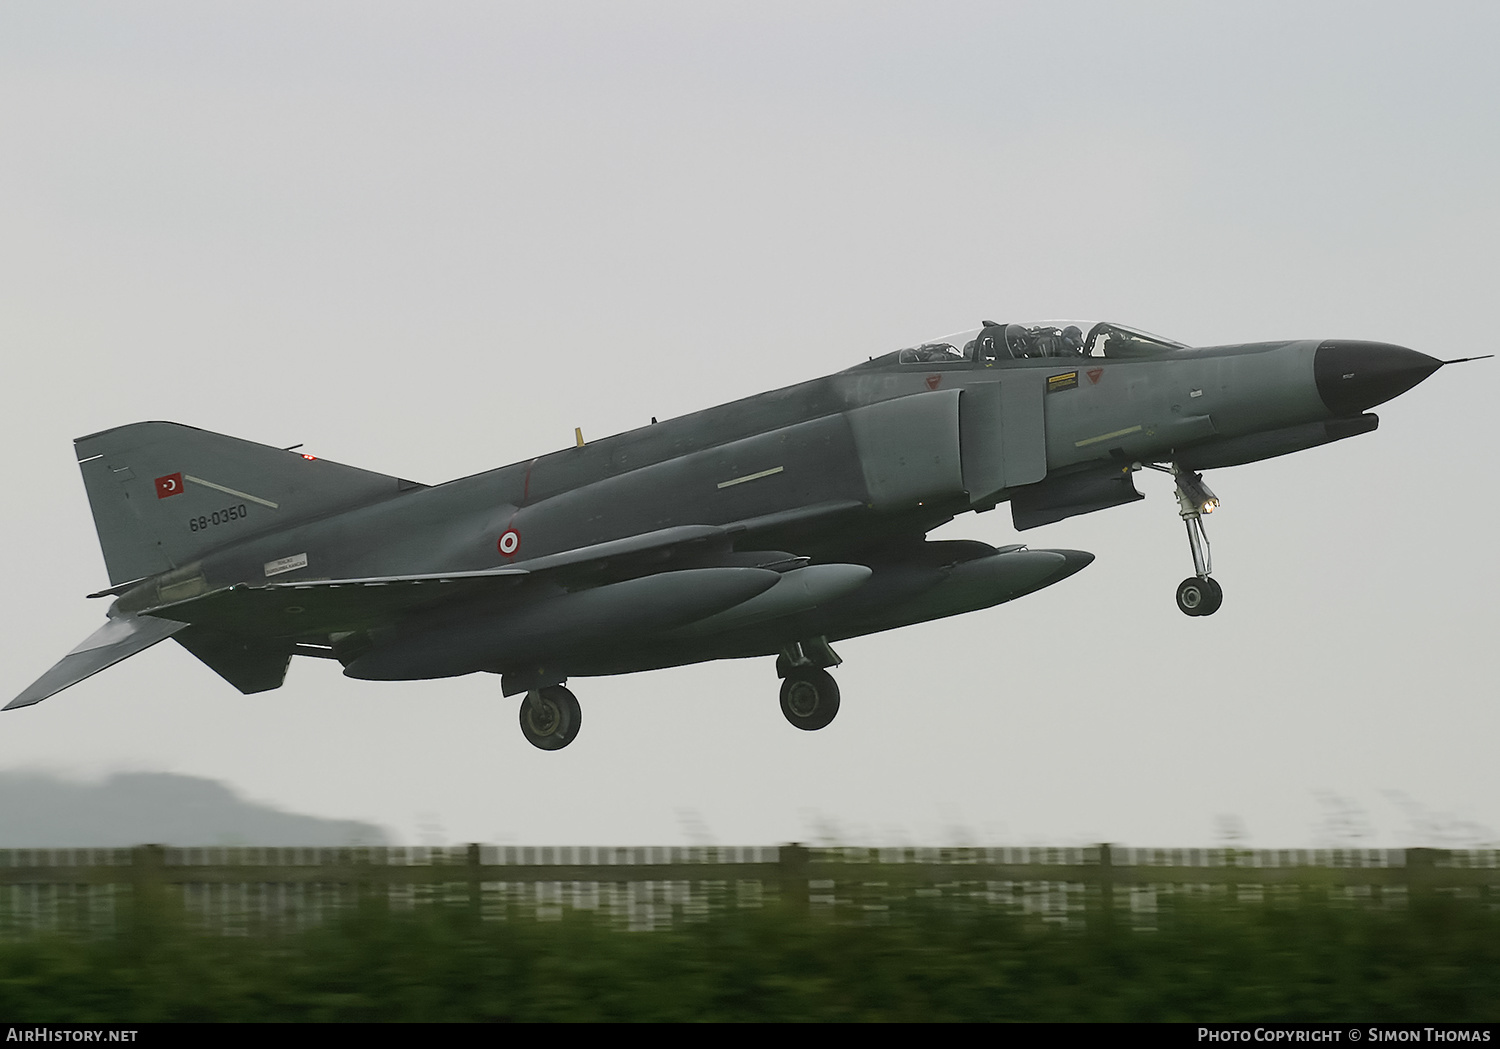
x=321 y=606
x=120 y=637
x=330 y=605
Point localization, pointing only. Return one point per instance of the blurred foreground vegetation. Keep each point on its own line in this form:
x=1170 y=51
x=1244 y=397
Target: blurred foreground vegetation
x=1437 y=959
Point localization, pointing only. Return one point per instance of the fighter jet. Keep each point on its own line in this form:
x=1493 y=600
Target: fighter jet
x=771 y=526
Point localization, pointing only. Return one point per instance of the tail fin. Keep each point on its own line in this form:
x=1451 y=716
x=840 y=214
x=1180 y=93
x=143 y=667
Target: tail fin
x=164 y=494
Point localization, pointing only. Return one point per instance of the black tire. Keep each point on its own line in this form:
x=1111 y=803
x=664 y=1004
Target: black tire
x=1213 y=597
x=552 y=721
x=1199 y=597
x=809 y=698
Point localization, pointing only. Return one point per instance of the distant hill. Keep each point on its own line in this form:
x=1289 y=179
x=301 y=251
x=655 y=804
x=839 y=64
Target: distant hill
x=39 y=811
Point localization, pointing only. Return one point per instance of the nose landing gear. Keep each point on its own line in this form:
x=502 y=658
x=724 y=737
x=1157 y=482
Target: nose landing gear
x=1199 y=594
x=1199 y=597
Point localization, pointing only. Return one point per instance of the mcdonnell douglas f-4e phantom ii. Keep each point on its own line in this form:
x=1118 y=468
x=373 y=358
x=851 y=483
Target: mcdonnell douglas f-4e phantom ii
x=770 y=526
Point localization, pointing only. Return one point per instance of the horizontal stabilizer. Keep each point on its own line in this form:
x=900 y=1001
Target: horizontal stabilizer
x=117 y=639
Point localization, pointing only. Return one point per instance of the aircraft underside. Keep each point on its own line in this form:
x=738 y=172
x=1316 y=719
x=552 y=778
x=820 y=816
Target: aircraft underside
x=894 y=596
x=550 y=714
x=935 y=580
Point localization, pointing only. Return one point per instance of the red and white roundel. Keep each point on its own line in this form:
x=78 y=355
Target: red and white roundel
x=510 y=542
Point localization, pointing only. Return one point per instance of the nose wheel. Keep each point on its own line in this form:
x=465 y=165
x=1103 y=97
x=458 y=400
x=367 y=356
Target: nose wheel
x=1199 y=597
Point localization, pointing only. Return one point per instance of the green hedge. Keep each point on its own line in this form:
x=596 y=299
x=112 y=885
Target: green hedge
x=1436 y=960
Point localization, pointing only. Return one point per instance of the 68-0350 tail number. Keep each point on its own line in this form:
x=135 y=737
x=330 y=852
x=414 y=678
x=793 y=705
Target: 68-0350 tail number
x=218 y=517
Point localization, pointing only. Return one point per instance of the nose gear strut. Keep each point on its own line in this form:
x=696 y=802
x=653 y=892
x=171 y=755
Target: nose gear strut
x=1199 y=594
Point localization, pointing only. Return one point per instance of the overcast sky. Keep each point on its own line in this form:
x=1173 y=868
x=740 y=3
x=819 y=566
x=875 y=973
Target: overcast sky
x=432 y=239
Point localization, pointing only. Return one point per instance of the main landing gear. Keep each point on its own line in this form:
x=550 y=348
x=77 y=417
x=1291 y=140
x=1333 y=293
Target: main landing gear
x=550 y=717
x=810 y=698
x=1199 y=594
x=809 y=695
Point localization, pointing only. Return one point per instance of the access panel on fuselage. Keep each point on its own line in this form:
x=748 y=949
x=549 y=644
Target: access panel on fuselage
x=908 y=449
x=1003 y=436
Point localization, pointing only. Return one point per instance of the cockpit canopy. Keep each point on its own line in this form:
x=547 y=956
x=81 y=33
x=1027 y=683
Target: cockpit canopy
x=1001 y=343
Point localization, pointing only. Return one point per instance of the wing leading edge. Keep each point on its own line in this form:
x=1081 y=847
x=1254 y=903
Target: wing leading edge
x=302 y=607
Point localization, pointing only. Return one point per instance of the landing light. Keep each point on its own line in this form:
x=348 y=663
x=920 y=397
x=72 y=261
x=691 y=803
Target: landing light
x=1193 y=495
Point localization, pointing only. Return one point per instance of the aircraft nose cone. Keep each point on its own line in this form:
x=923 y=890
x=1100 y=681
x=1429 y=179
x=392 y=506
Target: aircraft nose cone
x=1353 y=376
